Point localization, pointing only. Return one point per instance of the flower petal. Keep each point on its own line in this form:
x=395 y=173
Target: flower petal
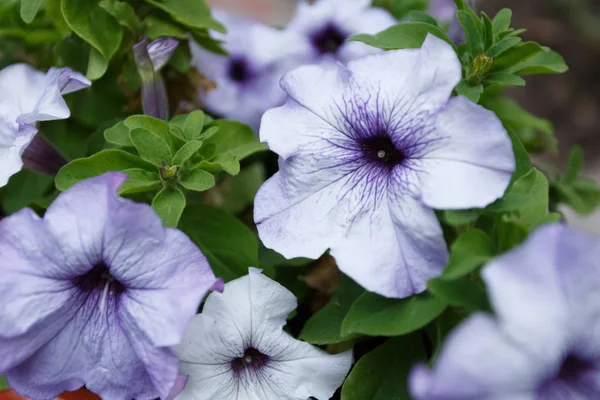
x=25 y=84
x=13 y=142
x=468 y=142
x=161 y=50
x=479 y=362
x=394 y=249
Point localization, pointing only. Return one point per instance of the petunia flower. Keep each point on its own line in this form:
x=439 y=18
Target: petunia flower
x=237 y=349
x=29 y=96
x=366 y=153
x=324 y=26
x=443 y=10
x=95 y=293
x=150 y=58
x=247 y=80
x=543 y=342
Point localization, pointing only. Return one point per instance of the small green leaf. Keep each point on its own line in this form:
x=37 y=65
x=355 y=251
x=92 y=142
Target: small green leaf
x=575 y=164
x=123 y=12
x=324 y=327
x=383 y=373
x=23 y=188
x=516 y=55
x=502 y=20
x=157 y=127
x=98 y=164
x=502 y=46
x=582 y=195
x=192 y=13
x=408 y=35
x=186 y=151
x=212 y=230
x=460 y=292
x=504 y=79
x=194 y=125
x=97 y=27
x=472 y=249
x=197 y=180
x=150 y=146
x=420 y=16
x=118 y=134
x=460 y=218
x=235 y=137
x=169 y=204
x=488 y=31
x=522 y=160
x=29 y=9
x=379 y=316
x=545 y=62
x=469 y=24
x=156 y=28
x=472 y=93
x=139 y=181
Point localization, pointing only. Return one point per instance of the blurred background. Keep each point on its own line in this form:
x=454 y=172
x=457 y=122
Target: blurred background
x=570 y=101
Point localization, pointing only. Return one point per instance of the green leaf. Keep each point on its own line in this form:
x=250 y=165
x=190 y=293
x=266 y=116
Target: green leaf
x=379 y=316
x=213 y=230
x=194 y=124
x=582 y=195
x=488 y=31
x=157 y=127
x=197 y=180
x=98 y=164
x=324 y=327
x=151 y=146
x=522 y=160
x=421 y=16
x=23 y=188
x=516 y=55
x=408 y=35
x=235 y=137
x=475 y=43
x=192 y=13
x=97 y=27
x=139 y=181
x=504 y=79
x=169 y=204
x=29 y=9
x=502 y=46
x=238 y=191
x=575 y=164
x=459 y=218
x=472 y=93
x=545 y=62
x=502 y=20
x=123 y=12
x=3 y=383
x=469 y=251
x=383 y=373
x=186 y=151
x=156 y=27
x=118 y=134
x=460 y=292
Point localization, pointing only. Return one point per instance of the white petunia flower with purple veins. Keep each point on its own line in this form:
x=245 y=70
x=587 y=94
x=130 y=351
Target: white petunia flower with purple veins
x=29 y=96
x=323 y=27
x=543 y=343
x=95 y=293
x=247 y=80
x=237 y=349
x=367 y=153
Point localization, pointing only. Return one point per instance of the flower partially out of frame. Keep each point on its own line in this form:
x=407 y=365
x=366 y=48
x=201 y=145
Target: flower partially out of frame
x=322 y=28
x=95 y=293
x=29 y=96
x=237 y=349
x=543 y=342
x=367 y=153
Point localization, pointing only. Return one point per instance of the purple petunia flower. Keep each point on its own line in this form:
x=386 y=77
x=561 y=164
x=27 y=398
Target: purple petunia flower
x=322 y=28
x=237 y=349
x=95 y=293
x=29 y=96
x=247 y=80
x=443 y=10
x=366 y=153
x=543 y=344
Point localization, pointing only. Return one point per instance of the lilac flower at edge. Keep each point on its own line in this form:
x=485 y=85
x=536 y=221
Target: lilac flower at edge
x=94 y=260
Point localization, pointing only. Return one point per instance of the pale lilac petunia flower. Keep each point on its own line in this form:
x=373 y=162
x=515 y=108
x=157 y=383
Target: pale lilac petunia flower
x=247 y=80
x=95 y=293
x=366 y=153
x=237 y=349
x=543 y=343
x=29 y=96
x=324 y=26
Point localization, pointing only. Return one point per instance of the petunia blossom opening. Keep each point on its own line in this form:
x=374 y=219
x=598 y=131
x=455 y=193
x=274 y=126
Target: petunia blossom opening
x=30 y=96
x=367 y=152
x=237 y=349
x=543 y=342
x=98 y=291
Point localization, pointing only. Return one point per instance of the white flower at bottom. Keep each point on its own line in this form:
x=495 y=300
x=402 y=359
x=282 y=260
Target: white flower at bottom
x=237 y=349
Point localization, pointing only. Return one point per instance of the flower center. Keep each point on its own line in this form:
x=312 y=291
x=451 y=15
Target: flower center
x=99 y=278
x=252 y=360
x=328 y=39
x=239 y=70
x=381 y=149
x=573 y=377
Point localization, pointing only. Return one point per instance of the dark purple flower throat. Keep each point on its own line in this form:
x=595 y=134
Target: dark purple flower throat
x=328 y=39
x=97 y=279
x=252 y=360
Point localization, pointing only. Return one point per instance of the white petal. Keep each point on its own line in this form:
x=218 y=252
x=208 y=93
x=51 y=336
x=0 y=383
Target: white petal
x=25 y=86
x=470 y=161
x=394 y=249
x=13 y=142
